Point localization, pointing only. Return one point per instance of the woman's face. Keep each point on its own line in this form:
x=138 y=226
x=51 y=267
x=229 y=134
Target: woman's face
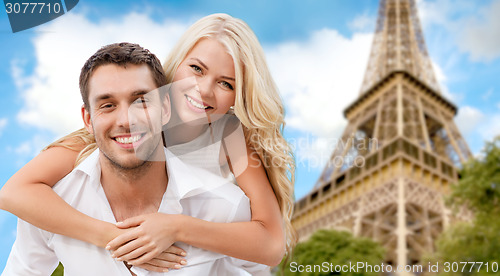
x=204 y=83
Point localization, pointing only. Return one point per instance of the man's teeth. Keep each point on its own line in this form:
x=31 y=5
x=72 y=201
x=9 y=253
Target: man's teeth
x=128 y=140
x=196 y=104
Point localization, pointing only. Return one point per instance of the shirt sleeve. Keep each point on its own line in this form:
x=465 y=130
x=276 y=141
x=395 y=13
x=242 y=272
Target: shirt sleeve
x=31 y=253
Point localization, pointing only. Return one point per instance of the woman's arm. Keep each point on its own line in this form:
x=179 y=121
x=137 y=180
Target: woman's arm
x=28 y=195
x=259 y=240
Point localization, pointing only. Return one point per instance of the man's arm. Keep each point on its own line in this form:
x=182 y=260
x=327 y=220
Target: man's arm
x=31 y=253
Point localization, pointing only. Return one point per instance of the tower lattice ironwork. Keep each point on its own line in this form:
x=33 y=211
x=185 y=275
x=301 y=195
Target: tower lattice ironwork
x=398 y=154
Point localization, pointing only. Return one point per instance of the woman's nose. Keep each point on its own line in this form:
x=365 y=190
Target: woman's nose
x=205 y=88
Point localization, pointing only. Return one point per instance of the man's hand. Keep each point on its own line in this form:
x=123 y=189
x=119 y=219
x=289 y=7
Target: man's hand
x=172 y=258
x=153 y=234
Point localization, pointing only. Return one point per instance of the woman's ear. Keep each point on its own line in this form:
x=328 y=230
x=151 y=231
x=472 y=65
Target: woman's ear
x=87 y=120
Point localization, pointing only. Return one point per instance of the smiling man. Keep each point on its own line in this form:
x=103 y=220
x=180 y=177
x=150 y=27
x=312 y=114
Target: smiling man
x=125 y=106
x=120 y=97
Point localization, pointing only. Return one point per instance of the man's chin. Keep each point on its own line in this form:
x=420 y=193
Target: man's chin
x=131 y=164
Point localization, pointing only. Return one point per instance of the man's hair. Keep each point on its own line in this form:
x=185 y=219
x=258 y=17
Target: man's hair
x=120 y=54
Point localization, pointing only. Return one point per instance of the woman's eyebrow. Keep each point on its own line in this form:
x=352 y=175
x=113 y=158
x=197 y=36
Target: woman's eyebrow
x=228 y=78
x=201 y=62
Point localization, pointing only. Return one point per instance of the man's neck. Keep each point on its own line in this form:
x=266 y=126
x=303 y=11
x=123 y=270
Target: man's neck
x=136 y=191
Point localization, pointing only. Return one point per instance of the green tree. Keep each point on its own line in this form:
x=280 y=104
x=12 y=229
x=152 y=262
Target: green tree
x=478 y=240
x=337 y=248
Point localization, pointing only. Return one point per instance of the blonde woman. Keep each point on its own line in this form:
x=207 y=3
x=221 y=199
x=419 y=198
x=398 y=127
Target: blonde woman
x=244 y=86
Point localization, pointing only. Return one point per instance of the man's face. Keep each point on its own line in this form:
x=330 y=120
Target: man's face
x=125 y=114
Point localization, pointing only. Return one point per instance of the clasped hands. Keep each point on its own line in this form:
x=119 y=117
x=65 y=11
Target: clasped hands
x=147 y=242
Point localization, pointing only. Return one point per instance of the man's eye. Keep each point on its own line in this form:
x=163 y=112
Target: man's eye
x=106 y=106
x=196 y=68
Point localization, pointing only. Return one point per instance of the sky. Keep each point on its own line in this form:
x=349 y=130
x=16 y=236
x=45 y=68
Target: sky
x=317 y=51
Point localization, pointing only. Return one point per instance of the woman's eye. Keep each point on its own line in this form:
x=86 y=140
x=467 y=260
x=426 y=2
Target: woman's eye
x=227 y=85
x=196 y=68
x=141 y=100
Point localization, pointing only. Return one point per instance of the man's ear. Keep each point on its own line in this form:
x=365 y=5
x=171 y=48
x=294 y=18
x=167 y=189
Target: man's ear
x=86 y=120
x=166 y=110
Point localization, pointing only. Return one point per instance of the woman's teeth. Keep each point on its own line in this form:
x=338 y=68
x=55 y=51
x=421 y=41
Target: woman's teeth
x=195 y=103
x=128 y=140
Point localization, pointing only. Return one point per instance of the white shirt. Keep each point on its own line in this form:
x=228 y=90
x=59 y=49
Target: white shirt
x=191 y=191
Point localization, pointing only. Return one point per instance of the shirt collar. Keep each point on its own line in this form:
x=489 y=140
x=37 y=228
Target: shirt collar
x=184 y=180
x=90 y=164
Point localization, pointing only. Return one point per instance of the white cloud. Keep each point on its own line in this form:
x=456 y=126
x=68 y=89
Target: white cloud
x=468 y=119
x=318 y=78
x=3 y=124
x=23 y=149
x=51 y=95
x=491 y=127
x=363 y=23
x=478 y=35
x=481 y=34
x=441 y=79
x=443 y=12
x=26 y=150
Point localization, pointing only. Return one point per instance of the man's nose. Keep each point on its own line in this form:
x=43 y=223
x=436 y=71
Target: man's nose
x=122 y=116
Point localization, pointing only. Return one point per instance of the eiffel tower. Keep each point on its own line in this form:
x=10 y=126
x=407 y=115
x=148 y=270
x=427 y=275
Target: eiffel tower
x=399 y=153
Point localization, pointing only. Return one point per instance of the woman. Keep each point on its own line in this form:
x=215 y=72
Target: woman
x=257 y=105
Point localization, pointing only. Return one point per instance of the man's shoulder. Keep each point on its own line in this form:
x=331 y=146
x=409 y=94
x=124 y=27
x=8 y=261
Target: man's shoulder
x=79 y=175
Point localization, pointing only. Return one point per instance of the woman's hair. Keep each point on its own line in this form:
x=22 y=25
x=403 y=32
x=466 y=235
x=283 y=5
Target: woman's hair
x=257 y=103
x=80 y=140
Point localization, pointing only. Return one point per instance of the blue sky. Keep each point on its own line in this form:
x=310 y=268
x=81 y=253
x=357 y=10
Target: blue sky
x=317 y=52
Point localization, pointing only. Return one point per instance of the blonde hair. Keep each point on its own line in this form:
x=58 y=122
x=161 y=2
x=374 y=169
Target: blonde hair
x=257 y=103
x=80 y=140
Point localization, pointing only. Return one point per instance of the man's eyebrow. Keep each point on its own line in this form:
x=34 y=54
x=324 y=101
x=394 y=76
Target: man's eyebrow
x=103 y=97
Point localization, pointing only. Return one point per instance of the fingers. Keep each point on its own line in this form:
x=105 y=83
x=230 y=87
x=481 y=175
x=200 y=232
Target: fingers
x=164 y=263
x=153 y=268
x=142 y=258
x=169 y=258
x=133 y=250
x=121 y=240
x=175 y=250
x=130 y=222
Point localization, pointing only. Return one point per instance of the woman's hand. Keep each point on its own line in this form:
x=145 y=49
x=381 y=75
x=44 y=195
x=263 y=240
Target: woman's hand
x=152 y=235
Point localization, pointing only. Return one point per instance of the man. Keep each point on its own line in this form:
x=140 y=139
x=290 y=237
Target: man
x=124 y=108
